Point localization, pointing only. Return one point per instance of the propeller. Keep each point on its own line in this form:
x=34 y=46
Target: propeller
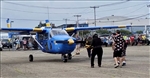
x=69 y=41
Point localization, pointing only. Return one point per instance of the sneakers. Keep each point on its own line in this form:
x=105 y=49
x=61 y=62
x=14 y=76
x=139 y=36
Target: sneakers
x=116 y=66
x=118 y=63
x=77 y=53
x=99 y=65
x=123 y=64
x=92 y=66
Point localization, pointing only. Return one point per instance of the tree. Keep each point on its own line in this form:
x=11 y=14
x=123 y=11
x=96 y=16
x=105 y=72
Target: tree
x=125 y=32
x=139 y=32
x=103 y=32
x=84 y=32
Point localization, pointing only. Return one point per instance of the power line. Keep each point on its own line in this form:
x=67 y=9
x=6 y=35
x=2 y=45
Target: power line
x=132 y=18
x=134 y=10
x=31 y=19
x=64 y=7
x=120 y=8
x=69 y=13
x=123 y=19
x=36 y=12
x=126 y=19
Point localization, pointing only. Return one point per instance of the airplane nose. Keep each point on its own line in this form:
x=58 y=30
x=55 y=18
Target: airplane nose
x=70 y=41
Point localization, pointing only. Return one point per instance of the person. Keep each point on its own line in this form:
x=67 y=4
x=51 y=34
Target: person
x=24 y=43
x=17 y=43
x=119 y=46
x=30 y=43
x=113 y=46
x=124 y=53
x=131 y=40
x=140 y=40
x=105 y=41
x=97 y=50
x=78 y=45
x=88 y=46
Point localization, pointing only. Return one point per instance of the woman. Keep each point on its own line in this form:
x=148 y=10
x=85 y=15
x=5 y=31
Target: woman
x=30 y=43
x=78 y=45
x=24 y=44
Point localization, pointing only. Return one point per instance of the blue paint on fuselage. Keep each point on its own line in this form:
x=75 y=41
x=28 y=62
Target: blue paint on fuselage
x=61 y=48
x=53 y=47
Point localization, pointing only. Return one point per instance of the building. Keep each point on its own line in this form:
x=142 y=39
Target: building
x=138 y=24
x=72 y=25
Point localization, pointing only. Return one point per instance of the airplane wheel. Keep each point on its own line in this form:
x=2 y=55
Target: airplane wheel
x=31 y=58
x=69 y=56
x=64 y=58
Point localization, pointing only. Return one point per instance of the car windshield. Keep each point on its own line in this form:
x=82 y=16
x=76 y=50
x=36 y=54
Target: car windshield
x=59 y=32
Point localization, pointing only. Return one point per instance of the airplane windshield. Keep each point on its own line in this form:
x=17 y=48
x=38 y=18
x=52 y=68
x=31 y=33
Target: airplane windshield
x=59 y=32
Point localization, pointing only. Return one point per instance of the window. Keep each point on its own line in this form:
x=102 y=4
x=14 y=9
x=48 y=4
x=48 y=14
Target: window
x=59 y=32
x=43 y=36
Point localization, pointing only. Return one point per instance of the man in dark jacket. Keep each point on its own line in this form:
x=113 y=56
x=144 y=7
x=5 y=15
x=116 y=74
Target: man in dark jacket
x=97 y=50
x=88 y=45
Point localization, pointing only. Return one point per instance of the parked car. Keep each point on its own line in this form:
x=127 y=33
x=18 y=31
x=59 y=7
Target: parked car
x=6 y=43
x=1 y=46
x=148 y=40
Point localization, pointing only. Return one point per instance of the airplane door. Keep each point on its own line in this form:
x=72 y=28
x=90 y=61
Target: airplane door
x=43 y=39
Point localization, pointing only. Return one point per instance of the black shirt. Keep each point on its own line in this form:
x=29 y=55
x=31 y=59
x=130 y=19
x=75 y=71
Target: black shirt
x=96 y=43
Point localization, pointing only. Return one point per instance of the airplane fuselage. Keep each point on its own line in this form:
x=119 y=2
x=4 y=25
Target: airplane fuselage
x=56 y=42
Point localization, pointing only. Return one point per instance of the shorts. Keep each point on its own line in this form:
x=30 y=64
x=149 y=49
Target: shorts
x=117 y=53
x=124 y=52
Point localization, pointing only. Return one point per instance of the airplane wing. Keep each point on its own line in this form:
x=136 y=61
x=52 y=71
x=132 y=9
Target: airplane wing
x=93 y=28
x=22 y=30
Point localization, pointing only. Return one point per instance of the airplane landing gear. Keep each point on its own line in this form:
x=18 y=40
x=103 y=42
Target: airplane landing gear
x=69 y=56
x=31 y=58
x=64 y=58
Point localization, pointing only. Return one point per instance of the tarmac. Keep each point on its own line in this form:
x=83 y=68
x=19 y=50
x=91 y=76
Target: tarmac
x=15 y=64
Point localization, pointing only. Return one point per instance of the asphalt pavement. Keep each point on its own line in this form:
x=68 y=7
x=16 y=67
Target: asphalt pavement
x=15 y=64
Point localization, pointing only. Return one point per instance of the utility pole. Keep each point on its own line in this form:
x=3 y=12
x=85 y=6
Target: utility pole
x=94 y=7
x=77 y=19
x=48 y=12
x=66 y=21
x=131 y=27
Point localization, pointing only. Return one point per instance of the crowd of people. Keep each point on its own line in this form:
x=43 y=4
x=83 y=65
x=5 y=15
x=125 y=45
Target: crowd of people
x=94 y=47
x=25 y=43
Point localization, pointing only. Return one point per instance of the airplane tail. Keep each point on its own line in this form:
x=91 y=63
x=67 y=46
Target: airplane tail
x=47 y=23
x=8 y=23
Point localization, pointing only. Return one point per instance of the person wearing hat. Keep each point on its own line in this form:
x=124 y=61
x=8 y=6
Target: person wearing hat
x=97 y=50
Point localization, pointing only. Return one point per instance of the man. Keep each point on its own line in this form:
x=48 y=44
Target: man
x=97 y=50
x=113 y=46
x=88 y=46
x=131 y=40
x=124 y=53
x=119 y=46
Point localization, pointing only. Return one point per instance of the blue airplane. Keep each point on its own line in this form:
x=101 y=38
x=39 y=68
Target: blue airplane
x=56 y=41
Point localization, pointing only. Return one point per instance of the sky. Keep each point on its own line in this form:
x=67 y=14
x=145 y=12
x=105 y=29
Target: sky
x=28 y=14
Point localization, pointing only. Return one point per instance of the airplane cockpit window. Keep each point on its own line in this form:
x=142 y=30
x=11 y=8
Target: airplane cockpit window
x=59 y=32
x=43 y=36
